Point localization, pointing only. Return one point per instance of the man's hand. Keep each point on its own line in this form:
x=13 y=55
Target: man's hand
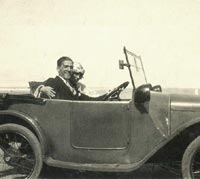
x=48 y=91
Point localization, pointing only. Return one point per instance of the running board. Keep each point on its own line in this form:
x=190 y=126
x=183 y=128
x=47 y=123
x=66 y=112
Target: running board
x=93 y=167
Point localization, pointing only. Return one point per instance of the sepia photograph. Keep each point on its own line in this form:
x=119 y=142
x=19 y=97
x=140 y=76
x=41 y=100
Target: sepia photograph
x=100 y=89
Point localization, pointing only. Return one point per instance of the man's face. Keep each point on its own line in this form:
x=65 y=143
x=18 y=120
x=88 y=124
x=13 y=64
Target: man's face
x=65 y=70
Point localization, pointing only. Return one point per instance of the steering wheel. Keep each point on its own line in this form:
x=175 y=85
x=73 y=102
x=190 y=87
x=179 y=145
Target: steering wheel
x=114 y=94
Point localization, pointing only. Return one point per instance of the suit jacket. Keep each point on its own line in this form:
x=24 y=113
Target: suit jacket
x=61 y=89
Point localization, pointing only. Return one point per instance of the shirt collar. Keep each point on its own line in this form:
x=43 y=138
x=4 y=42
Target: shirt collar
x=65 y=81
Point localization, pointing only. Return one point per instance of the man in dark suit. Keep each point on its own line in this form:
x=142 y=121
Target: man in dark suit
x=60 y=86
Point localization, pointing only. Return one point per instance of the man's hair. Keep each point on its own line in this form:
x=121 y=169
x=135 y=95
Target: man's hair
x=62 y=59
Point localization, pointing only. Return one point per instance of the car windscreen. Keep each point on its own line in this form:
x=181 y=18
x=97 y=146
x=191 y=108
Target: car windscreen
x=136 y=68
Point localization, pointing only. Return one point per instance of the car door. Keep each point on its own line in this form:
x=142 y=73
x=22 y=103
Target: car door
x=100 y=125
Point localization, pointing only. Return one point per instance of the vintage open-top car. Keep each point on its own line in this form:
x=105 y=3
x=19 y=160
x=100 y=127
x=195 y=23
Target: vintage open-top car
x=112 y=135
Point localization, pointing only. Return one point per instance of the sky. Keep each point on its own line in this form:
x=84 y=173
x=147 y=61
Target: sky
x=165 y=33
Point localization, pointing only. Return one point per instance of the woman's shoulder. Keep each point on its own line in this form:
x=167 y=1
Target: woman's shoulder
x=81 y=85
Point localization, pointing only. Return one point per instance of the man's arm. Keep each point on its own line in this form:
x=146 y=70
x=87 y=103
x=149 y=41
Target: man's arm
x=45 y=89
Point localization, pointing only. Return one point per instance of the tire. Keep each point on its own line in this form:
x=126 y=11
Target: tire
x=191 y=160
x=20 y=153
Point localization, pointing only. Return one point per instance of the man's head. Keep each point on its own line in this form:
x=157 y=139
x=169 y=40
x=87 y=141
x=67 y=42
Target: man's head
x=65 y=67
x=78 y=72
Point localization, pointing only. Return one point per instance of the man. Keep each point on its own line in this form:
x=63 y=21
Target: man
x=59 y=86
x=72 y=88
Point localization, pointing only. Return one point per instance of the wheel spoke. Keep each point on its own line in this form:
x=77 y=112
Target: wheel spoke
x=16 y=156
x=20 y=152
x=196 y=165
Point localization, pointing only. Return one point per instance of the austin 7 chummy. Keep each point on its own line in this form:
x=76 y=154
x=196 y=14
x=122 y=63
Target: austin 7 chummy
x=115 y=135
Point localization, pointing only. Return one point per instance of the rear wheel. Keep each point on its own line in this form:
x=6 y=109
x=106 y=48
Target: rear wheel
x=191 y=160
x=20 y=153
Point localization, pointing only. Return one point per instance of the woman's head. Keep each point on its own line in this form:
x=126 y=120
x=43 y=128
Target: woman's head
x=78 y=72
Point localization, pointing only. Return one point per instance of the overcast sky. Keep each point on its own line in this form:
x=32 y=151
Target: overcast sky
x=165 y=33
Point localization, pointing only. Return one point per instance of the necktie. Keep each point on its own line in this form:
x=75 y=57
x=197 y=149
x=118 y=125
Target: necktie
x=71 y=88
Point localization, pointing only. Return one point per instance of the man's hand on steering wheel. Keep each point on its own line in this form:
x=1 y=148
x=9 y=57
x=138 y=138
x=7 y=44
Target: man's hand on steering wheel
x=114 y=94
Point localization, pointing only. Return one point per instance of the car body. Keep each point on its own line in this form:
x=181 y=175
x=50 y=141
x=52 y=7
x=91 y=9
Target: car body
x=113 y=135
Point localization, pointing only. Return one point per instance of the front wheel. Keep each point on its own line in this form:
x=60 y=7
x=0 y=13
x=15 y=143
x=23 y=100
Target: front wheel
x=191 y=160
x=20 y=153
